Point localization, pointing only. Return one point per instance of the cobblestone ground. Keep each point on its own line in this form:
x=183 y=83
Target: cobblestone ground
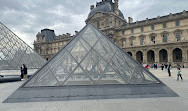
x=143 y=104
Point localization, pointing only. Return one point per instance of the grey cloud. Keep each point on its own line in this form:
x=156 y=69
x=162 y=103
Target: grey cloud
x=30 y=16
x=152 y=8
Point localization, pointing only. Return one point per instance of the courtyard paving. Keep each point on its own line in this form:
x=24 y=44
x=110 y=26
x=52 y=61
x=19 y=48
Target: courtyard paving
x=142 y=104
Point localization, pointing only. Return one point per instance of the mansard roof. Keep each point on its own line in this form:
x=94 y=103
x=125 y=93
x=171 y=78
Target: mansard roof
x=104 y=6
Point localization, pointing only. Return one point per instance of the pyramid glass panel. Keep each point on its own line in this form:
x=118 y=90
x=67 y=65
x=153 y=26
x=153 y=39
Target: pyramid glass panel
x=90 y=36
x=44 y=78
x=90 y=58
x=110 y=77
x=79 y=51
x=66 y=67
x=103 y=50
x=17 y=52
x=78 y=77
x=94 y=65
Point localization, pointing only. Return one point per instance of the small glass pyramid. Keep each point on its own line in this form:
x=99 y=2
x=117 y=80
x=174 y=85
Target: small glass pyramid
x=14 y=52
x=91 y=58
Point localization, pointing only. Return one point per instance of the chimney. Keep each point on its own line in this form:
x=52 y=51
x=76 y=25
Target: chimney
x=130 y=20
x=116 y=7
x=92 y=7
x=68 y=34
x=76 y=32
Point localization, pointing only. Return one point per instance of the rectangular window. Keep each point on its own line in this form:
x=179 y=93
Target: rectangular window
x=98 y=24
x=164 y=38
x=132 y=31
x=142 y=41
x=153 y=39
x=178 y=36
x=142 y=29
x=119 y=23
x=131 y=42
x=164 y=25
x=152 y=27
x=177 y=23
x=123 y=32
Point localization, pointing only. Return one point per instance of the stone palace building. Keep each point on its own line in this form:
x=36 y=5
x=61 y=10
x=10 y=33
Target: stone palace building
x=159 y=40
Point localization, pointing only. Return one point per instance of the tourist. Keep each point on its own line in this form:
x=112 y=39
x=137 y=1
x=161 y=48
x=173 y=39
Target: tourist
x=169 y=69
x=156 y=66
x=147 y=67
x=179 y=74
x=166 y=66
x=162 y=67
x=22 y=72
x=25 y=71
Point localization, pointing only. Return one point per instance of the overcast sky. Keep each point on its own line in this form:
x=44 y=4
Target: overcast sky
x=27 y=17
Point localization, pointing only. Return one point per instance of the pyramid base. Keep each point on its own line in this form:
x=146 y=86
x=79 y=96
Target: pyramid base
x=67 y=93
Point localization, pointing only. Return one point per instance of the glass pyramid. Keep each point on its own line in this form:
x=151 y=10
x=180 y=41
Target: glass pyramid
x=14 y=52
x=91 y=58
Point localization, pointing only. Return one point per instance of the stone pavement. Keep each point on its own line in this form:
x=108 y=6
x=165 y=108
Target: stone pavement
x=136 y=104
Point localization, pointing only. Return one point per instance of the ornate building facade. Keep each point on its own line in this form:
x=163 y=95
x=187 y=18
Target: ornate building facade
x=47 y=43
x=159 y=40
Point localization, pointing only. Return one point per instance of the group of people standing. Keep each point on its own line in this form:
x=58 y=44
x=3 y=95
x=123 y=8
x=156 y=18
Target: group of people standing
x=24 y=72
x=169 y=70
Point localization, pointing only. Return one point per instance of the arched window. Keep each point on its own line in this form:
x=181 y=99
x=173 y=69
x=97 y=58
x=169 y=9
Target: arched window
x=177 y=55
x=151 y=56
x=139 y=57
x=163 y=55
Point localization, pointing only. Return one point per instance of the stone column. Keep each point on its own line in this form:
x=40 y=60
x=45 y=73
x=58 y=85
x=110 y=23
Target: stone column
x=156 y=56
x=134 y=54
x=170 y=54
x=145 y=56
x=184 y=54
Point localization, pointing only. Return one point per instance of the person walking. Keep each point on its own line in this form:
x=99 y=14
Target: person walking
x=25 y=71
x=169 y=70
x=179 y=74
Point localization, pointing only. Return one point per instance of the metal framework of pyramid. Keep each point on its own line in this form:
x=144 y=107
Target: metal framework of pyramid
x=14 y=52
x=90 y=66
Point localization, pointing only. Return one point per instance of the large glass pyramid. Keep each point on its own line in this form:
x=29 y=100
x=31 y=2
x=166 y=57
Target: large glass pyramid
x=14 y=52
x=91 y=58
